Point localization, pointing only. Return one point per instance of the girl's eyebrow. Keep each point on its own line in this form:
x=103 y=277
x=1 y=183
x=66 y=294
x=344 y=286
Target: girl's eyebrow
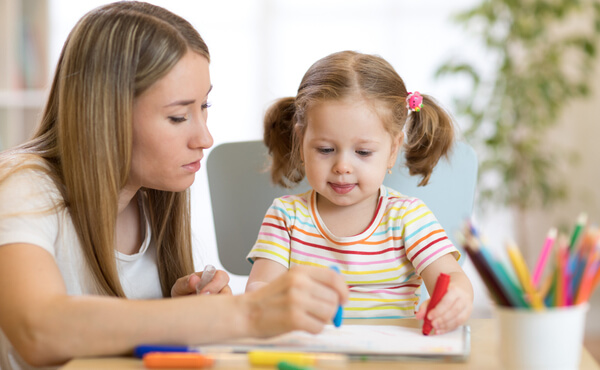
x=186 y=102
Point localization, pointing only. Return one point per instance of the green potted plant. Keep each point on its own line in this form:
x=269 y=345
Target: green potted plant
x=544 y=51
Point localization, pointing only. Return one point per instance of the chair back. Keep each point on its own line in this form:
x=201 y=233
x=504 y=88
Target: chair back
x=241 y=192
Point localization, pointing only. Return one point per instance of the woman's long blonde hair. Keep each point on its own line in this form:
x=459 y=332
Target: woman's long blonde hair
x=112 y=55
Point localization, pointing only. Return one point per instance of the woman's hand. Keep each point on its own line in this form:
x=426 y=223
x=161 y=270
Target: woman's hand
x=187 y=284
x=305 y=298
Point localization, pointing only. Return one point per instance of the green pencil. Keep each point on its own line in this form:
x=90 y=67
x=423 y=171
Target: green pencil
x=581 y=221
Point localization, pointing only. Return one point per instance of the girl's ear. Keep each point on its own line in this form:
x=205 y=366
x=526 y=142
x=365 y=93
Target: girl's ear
x=396 y=146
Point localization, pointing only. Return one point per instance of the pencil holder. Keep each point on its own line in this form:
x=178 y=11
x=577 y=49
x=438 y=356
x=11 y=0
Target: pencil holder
x=546 y=339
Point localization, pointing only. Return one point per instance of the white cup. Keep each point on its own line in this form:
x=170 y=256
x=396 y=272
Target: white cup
x=548 y=339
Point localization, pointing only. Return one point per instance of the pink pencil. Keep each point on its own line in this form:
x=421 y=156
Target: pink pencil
x=541 y=263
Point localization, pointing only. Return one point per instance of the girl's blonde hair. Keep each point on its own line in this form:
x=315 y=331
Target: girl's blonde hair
x=429 y=133
x=113 y=54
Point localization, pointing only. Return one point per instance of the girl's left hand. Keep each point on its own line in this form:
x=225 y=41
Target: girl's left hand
x=187 y=284
x=451 y=312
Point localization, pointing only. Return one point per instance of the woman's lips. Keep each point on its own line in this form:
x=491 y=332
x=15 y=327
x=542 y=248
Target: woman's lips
x=192 y=167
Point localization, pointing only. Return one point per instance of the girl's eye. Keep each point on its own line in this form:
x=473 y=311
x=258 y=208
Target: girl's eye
x=364 y=153
x=206 y=105
x=178 y=119
x=325 y=150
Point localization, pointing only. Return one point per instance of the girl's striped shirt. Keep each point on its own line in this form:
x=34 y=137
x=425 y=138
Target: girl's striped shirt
x=381 y=265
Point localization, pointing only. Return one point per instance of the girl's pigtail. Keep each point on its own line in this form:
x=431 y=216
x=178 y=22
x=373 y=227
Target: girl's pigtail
x=429 y=136
x=286 y=167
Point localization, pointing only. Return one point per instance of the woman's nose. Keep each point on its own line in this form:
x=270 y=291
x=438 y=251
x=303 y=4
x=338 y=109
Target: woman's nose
x=201 y=137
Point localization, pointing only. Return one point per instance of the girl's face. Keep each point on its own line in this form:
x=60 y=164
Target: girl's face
x=347 y=152
x=169 y=127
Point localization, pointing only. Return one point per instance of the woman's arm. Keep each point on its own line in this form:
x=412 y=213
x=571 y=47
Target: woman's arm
x=455 y=307
x=263 y=271
x=47 y=326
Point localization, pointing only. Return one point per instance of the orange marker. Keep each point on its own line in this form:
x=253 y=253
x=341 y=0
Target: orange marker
x=165 y=360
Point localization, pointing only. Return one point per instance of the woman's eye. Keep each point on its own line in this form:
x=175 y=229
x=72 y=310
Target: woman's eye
x=206 y=105
x=178 y=119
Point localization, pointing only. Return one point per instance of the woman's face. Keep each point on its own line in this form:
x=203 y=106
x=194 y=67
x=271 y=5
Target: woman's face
x=169 y=127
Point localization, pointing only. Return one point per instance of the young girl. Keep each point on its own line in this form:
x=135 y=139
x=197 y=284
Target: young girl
x=343 y=132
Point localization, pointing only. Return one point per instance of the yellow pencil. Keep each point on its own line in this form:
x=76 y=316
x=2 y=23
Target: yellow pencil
x=523 y=274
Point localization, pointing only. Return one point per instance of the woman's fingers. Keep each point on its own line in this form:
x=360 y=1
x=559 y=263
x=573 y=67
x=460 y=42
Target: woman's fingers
x=187 y=285
x=302 y=299
x=218 y=284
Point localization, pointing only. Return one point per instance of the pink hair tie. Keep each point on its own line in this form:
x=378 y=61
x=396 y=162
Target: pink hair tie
x=414 y=101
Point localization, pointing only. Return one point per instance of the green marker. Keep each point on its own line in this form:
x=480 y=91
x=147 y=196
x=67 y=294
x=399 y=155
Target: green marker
x=284 y=365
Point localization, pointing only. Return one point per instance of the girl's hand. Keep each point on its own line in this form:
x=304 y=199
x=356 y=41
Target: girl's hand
x=187 y=284
x=451 y=312
x=304 y=298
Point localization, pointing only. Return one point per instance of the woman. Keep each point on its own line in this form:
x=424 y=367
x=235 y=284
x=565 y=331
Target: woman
x=95 y=207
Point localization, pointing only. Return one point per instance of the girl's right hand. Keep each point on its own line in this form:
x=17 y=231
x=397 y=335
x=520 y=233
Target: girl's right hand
x=305 y=298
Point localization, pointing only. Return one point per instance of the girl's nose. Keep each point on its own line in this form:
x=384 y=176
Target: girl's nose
x=342 y=166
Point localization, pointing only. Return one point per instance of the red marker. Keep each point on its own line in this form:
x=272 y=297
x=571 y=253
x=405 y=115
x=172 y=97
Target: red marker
x=441 y=286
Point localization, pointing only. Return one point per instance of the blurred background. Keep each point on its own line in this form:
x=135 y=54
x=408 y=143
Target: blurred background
x=522 y=80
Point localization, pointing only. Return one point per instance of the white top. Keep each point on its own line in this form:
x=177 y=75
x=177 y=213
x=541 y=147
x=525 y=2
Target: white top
x=28 y=214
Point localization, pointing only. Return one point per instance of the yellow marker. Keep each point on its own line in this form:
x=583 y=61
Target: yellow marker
x=272 y=358
x=523 y=274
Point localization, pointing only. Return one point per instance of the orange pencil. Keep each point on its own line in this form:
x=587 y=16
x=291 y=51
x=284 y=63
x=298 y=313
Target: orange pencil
x=561 y=260
x=595 y=281
x=165 y=360
x=591 y=267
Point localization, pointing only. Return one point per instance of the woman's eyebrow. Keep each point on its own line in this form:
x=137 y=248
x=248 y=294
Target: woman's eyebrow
x=186 y=102
x=180 y=102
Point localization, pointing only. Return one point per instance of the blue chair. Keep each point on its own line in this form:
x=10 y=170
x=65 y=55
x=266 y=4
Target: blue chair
x=241 y=192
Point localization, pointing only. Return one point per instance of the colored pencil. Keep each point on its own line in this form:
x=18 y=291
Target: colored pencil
x=511 y=290
x=485 y=271
x=523 y=274
x=584 y=289
x=581 y=221
x=543 y=258
x=571 y=279
x=560 y=298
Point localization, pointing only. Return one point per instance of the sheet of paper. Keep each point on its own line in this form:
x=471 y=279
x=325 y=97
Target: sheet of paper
x=362 y=340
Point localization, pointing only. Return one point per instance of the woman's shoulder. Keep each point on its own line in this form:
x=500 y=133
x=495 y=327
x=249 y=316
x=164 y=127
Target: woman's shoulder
x=26 y=175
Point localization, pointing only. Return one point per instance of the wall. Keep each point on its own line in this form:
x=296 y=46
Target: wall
x=578 y=130
x=261 y=48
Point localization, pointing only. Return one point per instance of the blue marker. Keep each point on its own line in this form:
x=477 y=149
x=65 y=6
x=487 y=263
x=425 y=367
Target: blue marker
x=141 y=350
x=337 y=319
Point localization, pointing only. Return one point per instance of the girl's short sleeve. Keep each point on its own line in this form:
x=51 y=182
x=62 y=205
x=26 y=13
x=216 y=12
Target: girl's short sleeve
x=424 y=238
x=273 y=240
